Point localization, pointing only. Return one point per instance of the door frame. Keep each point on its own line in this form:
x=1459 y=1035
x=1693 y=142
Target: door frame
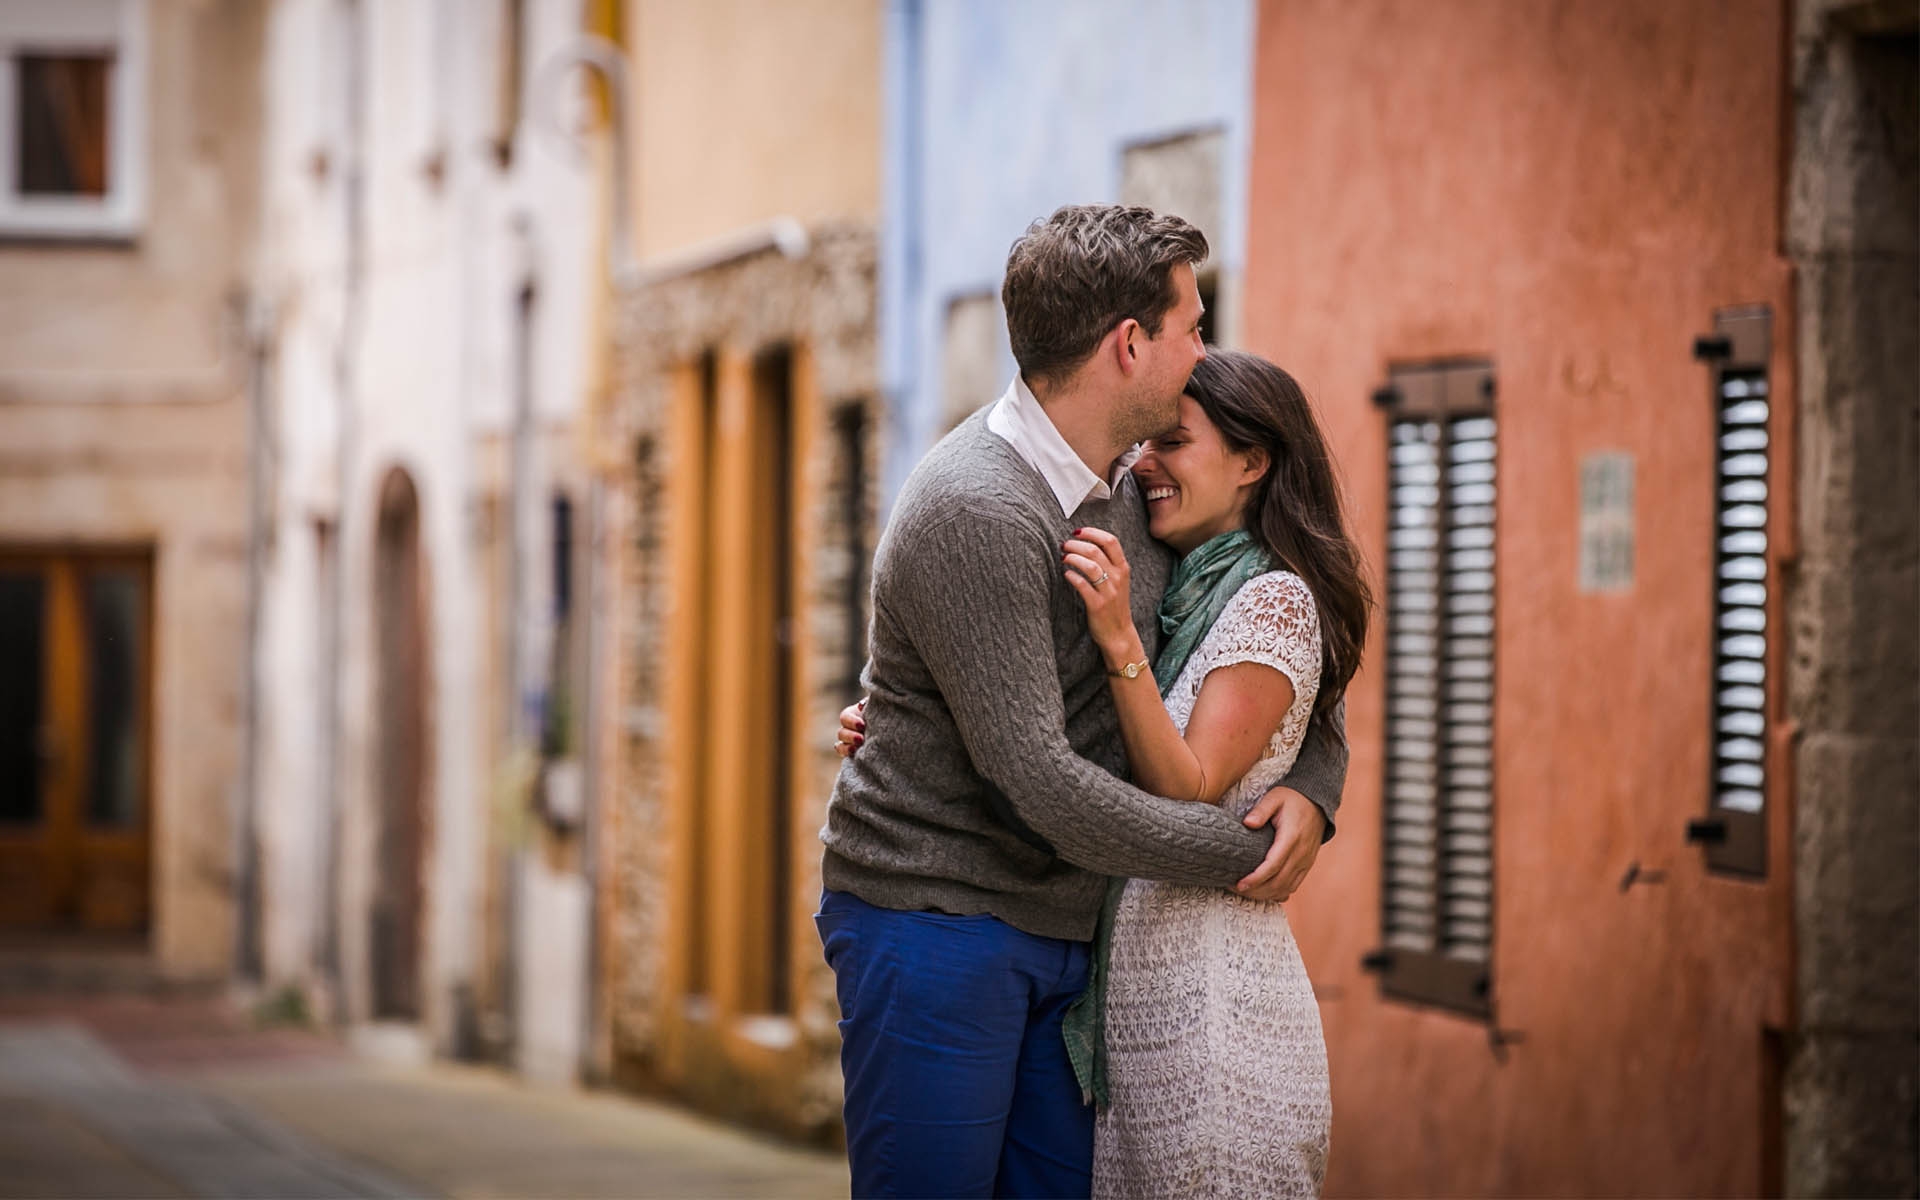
x=63 y=838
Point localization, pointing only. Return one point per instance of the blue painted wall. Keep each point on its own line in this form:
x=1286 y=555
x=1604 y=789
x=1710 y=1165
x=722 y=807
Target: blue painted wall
x=1000 y=111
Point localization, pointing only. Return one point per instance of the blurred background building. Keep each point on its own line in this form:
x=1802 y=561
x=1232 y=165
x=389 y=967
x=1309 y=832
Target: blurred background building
x=999 y=113
x=1610 y=366
x=130 y=200
x=747 y=399
x=442 y=443
x=429 y=281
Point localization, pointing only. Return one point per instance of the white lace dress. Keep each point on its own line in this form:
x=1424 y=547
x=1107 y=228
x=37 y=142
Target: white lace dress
x=1216 y=1062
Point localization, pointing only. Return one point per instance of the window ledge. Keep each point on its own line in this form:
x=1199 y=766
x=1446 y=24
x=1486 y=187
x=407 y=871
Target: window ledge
x=63 y=223
x=772 y=1033
x=1459 y=986
x=21 y=236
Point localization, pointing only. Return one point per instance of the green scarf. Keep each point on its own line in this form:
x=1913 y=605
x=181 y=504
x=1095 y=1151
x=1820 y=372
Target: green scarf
x=1202 y=584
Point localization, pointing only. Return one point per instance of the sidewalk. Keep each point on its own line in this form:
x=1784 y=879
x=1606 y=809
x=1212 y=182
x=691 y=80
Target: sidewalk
x=467 y=1132
x=138 y=1098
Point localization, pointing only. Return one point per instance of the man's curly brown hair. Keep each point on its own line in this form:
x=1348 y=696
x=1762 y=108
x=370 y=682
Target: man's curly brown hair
x=1072 y=277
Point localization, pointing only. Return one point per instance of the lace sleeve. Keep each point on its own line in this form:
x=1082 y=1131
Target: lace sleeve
x=1272 y=620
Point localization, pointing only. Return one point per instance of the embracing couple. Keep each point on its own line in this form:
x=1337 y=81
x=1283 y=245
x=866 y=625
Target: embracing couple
x=1114 y=614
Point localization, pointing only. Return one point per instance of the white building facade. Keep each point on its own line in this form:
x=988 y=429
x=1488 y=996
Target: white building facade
x=427 y=288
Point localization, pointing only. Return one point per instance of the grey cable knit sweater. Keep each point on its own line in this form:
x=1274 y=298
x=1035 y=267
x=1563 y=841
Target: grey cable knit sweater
x=991 y=778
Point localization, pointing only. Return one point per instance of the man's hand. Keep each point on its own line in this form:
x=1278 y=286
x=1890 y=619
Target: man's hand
x=1296 y=843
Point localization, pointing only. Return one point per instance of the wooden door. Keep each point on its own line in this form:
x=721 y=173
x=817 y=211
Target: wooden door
x=401 y=754
x=75 y=733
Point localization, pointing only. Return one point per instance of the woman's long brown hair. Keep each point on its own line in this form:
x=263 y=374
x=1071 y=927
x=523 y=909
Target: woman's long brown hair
x=1294 y=511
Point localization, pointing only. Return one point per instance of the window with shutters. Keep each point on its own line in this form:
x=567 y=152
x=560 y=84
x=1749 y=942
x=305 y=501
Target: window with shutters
x=1437 y=854
x=1733 y=832
x=1186 y=174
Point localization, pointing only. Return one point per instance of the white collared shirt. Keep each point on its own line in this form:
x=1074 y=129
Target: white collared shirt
x=1018 y=418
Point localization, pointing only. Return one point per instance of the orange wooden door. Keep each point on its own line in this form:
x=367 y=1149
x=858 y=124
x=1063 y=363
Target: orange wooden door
x=75 y=731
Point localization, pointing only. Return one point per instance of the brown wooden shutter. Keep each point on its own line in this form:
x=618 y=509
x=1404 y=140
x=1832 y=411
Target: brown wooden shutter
x=1437 y=856
x=1734 y=831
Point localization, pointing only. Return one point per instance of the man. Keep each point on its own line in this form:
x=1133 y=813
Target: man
x=969 y=842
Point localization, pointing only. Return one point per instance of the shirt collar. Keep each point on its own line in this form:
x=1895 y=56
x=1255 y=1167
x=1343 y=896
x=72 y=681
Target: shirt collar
x=1019 y=419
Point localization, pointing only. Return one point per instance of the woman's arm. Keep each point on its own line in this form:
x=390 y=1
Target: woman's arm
x=1239 y=708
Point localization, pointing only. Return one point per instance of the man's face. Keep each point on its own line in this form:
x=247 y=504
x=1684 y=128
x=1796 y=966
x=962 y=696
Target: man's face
x=1164 y=363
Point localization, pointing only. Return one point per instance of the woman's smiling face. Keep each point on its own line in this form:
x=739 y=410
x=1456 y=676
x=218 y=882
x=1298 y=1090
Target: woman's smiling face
x=1196 y=487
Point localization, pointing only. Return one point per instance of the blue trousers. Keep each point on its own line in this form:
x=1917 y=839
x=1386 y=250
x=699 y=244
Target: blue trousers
x=957 y=1081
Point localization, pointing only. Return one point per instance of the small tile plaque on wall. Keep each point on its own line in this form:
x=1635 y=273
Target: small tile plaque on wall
x=1606 y=522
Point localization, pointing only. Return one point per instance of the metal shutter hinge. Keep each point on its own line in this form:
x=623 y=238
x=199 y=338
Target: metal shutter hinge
x=1709 y=831
x=1713 y=347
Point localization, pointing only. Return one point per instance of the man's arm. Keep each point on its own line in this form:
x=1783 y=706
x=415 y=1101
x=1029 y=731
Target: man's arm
x=972 y=593
x=1302 y=821
x=1320 y=770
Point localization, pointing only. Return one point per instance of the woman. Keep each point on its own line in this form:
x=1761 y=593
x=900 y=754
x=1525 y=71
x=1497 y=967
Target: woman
x=1215 y=1068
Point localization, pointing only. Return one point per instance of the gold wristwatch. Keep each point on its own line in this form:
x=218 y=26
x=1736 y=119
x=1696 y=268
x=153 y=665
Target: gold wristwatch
x=1132 y=670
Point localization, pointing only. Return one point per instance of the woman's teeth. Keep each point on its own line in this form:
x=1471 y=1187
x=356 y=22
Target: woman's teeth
x=1159 y=493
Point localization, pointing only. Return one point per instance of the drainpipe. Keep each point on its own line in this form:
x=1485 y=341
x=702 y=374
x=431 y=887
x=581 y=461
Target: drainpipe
x=257 y=332
x=906 y=415
x=590 y=717
x=523 y=673
x=353 y=193
x=608 y=61
x=522 y=659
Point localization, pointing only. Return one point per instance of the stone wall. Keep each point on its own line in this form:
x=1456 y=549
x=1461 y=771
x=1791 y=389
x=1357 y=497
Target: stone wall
x=1852 y=1088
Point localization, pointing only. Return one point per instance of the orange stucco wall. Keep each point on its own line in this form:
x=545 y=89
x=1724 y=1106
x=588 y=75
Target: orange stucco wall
x=746 y=111
x=1570 y=189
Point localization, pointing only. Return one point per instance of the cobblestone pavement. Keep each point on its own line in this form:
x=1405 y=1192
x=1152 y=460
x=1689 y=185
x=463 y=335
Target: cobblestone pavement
x=143 y=1097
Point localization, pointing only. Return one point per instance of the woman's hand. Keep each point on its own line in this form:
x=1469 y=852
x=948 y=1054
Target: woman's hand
x=853 y=729
x=1097 y=569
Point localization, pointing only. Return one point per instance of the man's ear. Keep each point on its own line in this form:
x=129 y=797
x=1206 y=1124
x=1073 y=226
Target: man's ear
x=1127 y=336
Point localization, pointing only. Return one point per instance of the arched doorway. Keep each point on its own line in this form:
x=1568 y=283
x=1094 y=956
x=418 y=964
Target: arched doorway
x=401 y=752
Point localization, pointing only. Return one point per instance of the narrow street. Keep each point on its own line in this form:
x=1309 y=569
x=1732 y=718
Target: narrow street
x=154 y=1096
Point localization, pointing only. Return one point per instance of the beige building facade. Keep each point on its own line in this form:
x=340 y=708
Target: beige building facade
x=128 y=203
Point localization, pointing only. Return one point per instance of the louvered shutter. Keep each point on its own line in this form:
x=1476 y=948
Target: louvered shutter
x=1437 y=856
x=1735 y=830
x=1412 y=811
x=1466 y=841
